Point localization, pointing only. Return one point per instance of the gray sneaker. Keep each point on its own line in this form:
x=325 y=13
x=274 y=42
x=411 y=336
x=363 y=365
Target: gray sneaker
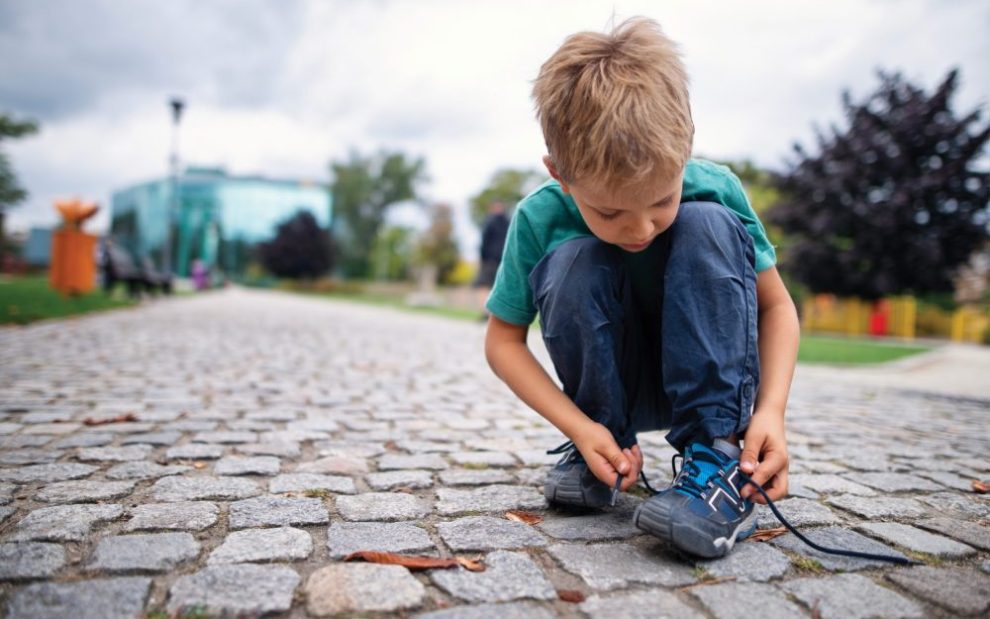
x=571 y=482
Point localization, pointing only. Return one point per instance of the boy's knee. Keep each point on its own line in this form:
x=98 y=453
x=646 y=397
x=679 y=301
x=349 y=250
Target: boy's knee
x=708 y=233
x=575 y=272
x=708 y=220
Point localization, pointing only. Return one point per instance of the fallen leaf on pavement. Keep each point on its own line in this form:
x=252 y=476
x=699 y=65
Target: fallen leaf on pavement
x=199 y=465
x=524 y=517
x=570 y=595
x=766 y=534
x=980 y=487
x=89 y=421
x=416 y=562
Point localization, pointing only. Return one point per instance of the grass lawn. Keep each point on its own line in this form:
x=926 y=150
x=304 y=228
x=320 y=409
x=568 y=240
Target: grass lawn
x=398 y=302
x=853 y=351
x=30 y=298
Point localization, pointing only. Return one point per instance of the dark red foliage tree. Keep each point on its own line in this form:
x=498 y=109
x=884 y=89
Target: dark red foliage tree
x=894 y=203
x=300 y=249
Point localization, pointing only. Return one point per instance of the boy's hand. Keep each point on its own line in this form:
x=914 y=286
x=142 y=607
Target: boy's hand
x=764 y=457
x=605 y=459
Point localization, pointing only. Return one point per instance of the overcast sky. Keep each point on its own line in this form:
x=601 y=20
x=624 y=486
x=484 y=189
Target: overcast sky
x=281 y=87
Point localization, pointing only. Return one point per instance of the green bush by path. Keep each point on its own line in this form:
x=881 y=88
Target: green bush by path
x=26 y=299
x=853 y=351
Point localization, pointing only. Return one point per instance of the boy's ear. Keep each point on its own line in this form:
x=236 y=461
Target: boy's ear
x=552 y=169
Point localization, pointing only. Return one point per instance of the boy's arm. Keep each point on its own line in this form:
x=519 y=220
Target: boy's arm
x=764 y=456
x=513 y=362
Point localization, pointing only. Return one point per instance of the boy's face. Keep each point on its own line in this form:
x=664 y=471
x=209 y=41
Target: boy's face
x=630 y=217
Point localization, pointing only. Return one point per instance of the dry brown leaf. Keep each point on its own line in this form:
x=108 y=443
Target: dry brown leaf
x=766 y=534
x=980 y=487
x=199 y=465
x=391 y=446
x=570 y=595
x=89 y=421
x=524 y=517
x=416 y=562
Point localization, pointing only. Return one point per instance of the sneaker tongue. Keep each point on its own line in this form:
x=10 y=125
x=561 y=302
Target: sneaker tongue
x=727 y=448
x=706 y=459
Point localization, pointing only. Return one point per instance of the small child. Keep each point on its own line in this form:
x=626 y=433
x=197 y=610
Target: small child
x=657 y=293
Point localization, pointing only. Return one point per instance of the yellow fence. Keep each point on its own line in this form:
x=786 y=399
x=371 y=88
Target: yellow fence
x=893 y=316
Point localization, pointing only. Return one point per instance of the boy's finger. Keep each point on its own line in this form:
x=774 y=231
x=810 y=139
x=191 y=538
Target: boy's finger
x=618 y=461
x=749 y=460
x=772 y=463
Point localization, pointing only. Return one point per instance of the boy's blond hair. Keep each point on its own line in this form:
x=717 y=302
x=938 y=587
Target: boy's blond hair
x=614 y=107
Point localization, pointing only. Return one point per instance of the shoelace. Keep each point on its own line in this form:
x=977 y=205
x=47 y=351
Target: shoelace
x=569 y=449
x=790 y=527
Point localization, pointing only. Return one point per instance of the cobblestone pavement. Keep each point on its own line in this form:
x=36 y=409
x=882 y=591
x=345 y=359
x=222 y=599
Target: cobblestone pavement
x=275 y=434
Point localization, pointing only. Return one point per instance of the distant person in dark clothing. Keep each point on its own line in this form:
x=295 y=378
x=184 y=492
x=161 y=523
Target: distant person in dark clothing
x=493 y=233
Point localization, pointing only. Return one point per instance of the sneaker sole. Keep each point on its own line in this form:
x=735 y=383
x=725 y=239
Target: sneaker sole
x=654 y=518
x=570 y=491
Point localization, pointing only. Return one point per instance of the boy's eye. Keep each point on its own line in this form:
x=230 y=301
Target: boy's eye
x=608 y=216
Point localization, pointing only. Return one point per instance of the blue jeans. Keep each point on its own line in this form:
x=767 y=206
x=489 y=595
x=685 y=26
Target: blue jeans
x=681 y=356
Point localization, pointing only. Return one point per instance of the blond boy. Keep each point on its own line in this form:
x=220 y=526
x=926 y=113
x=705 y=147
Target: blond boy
x=658 y=298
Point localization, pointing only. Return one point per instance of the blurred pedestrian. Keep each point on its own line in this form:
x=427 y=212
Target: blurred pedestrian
x=493 y=233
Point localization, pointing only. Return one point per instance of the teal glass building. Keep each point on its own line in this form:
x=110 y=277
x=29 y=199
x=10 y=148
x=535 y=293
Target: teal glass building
x=219 y=219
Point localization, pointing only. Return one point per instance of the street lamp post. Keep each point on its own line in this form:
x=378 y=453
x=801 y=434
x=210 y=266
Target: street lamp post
x=173 y=207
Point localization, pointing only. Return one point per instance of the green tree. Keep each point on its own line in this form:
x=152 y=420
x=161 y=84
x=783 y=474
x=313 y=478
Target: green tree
x=437 y=245
x=894 y=203
x=508 y=186
x=11 y=192
x=391 y=254
x=363 y=188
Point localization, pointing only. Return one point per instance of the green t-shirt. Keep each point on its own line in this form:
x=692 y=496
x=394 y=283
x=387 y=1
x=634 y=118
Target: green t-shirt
x=547 y=217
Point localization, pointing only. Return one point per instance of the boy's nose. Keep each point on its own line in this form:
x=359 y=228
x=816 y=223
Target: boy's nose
x=644 y=228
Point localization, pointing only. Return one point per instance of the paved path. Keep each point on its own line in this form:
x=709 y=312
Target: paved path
x=276 y=434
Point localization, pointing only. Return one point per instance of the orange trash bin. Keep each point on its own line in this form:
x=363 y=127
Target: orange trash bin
x=73 y=260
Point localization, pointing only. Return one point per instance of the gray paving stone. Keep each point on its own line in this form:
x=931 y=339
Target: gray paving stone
x=350 y=449
x=947 y=479
x=111 y=598
x=487 y=533
x=56 y=471
x=63 y=523
x=183 y=516
x=226 y=438
x=152 y=438
x=894 y=482
x=508 y=576
x=496 y=497
x=406 y=478
x=6 y=512
x=299 y=482
x=510 y=610
x=52 y=428
x=851 y=596
x=960 y=590
x=831 y=484
x=799 y=512
x=25 y=560
x=755 y=561
x=153 y=552
x=916 y=539
x=234 y=590
x=28 y=456
x=263 y=545
x=878 y=507
x=535 y=457
x=335 y=465
x=114 y=454
x=836 y=537
x=145 y=470
x=360 y=588
x=428 y=446
x=85 y=439
x=9 y=428
x=279 y=449
x=84 y=491
x=277 y=511
x=195 y=451
x=607 y=566
x=343 y=538
x=639 y=605
x=379 y=506
x=190 y=425
x=474 y=477
x=737 y=600
x=968 y=532
x=391 y=462
x=483 y=458
x=592 y=527
x=235 y=465
x=949 y=503
x=23 y=440
x=204 y=488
